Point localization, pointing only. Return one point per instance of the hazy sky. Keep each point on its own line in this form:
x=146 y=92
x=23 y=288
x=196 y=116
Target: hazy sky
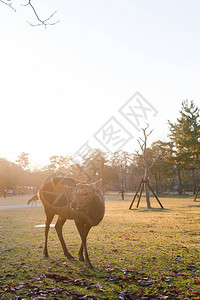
x=60 y=86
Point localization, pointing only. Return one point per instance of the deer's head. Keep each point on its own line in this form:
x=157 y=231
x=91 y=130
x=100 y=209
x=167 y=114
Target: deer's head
x=84 y=194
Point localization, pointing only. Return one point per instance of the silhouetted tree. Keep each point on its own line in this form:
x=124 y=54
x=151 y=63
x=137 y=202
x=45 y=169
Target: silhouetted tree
x=122 y=160
x=23 y=160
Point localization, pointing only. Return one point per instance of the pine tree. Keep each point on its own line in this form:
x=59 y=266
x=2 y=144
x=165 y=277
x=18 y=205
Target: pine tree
x=185 y=138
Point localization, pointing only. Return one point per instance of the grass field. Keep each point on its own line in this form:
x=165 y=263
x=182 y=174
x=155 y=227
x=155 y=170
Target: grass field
x=137 y=254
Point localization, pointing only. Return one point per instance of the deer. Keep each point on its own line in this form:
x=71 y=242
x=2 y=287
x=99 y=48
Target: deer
x=75 y=200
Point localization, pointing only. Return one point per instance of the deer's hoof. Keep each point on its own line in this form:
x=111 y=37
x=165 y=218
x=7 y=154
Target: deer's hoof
x=89 y=265
x=69 y=256
x=81 y=258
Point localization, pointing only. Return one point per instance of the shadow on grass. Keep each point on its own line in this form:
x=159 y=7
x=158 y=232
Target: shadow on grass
x=158 y=209
x=193 y=206
x=176 y=196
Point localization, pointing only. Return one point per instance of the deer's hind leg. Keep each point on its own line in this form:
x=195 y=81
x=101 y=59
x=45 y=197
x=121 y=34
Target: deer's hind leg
x=59 y=225
x=49 y=218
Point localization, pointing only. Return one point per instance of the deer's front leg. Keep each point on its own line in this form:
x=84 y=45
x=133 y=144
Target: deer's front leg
x=83 y=230
x=80 y=253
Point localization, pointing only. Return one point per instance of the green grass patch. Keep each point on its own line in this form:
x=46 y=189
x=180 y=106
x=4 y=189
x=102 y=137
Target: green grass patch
x=139 y=253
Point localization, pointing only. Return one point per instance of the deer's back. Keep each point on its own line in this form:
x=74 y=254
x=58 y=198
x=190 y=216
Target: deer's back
x=57 y=193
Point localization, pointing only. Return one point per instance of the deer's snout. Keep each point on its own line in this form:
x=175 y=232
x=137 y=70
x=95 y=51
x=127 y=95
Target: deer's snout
x=75 y=205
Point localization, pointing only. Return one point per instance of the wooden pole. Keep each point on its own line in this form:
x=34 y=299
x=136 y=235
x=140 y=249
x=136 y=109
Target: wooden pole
x=195 y=198
x=136 y=193
x=155 y=196
x=142 y=187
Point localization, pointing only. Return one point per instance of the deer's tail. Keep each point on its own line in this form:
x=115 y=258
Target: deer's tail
x=33 y=199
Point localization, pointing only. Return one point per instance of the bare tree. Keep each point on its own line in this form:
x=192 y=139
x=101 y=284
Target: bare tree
x=143 y=147
x=40 y=22
x=122 y=159
x=145 y=180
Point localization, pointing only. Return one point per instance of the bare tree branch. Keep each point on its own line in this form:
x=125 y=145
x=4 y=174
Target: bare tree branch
x=141 y=146
x=155 y=160
x=144 y=129
x=41 y=22
x=150 y=132
x=141 y=139
x=8 y=3
x=44 y=22
x=138 y=153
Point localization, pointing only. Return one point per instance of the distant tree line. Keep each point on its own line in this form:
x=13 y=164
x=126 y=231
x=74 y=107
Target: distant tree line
x=177 y=166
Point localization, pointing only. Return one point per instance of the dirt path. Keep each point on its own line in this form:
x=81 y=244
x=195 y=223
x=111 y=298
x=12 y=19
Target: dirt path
x=4 y=207
x=17 y=201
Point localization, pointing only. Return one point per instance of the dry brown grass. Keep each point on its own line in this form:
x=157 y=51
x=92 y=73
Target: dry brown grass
x=162 y=245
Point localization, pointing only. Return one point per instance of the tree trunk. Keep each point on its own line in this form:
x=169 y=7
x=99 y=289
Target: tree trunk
x=125 y=177
x=180 y=191
x=156 y=181
x=193 y=182
x=147 y=188
x=122 y=183
x=160 y=182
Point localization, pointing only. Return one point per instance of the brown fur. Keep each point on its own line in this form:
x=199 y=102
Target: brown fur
x=70 y=199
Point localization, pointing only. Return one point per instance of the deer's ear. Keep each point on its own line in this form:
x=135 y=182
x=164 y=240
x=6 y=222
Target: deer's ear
x=96 y=185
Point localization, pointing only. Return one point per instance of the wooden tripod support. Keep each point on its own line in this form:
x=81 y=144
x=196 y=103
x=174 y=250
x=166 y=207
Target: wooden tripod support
x=140 y=190
x=198 y=190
